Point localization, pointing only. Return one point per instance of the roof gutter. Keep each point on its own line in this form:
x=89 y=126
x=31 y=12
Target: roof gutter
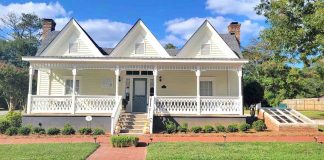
x=129 y=60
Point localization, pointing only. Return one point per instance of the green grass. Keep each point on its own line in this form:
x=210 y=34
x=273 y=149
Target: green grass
x=235 y=150
x=313 y=114
x=62 y=151
x=321 y=128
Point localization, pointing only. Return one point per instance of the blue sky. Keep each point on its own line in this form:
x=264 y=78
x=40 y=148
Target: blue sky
x=171 y=21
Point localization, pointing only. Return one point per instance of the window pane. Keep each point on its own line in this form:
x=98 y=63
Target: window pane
x=69 y=86
x=139 y=48
x=73 y=47
x=206 y=88
x=139 y=87
x=205 y=49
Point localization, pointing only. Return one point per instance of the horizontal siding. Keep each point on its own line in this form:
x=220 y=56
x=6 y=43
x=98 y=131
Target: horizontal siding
x=178 y=83
x=43 y=82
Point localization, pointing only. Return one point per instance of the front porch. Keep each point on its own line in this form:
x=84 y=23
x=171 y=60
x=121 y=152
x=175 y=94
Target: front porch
x=165 y=88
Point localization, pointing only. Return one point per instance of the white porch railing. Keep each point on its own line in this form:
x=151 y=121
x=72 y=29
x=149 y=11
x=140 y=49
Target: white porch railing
x=116 y=113
x=188 y=105
x=220 y=105
x=51 y=104
x=94 y=104
x=63 y=104
x=150 y=115
x=176 y=105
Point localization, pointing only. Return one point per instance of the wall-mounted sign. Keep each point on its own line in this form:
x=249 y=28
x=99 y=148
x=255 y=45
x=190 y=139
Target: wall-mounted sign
x=88 y=118
x=107 y=83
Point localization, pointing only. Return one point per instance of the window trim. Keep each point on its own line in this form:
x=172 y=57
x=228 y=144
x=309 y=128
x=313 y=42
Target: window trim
x=143 y=48
x=212 y=79
x=77 y=47
x=71 y=78
x=201 y=48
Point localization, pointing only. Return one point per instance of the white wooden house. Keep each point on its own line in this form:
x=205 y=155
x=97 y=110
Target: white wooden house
x=198 y=84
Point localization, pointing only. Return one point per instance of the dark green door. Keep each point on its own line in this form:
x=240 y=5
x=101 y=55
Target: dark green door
x=139 y=95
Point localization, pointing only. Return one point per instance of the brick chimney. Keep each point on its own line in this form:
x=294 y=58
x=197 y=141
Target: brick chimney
x=235 y=29
x=48 y=25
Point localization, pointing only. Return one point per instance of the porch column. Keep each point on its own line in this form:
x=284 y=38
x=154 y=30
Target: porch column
x=155 y=74
x=49 y=81
x=74 y=72
x=198 y=90
x=30 y=89
x=117 y=73
x=239 y=74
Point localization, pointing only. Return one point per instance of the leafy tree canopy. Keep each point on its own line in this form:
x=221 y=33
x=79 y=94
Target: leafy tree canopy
x=170 y=46
x=296 y=29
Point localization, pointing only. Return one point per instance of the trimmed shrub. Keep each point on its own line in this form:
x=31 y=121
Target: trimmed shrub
x=170 y=127
x=196 y=129
x=85 y=131
x=24 y=131
x=68 y=130
x=123 y=141
x=98 y=131
x=259 y=125
x=208 y=129
x=244 y=127
x=232 y=128
x=183 y=128
x=220 y=128
x=4 y=125
x=53 y=131
x=39 y=130
x=14 y=118
x=11 y=131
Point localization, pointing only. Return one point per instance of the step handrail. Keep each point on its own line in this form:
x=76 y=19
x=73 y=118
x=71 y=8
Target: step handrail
x=115 y=114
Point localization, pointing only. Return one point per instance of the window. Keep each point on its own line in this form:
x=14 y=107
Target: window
x=69 y=86
x=73 y=47
x=206 y=88
x=139 y=48
x=205 y=49
x=132 y=73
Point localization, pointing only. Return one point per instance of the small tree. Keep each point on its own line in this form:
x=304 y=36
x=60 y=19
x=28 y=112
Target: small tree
x=170 y=46
x=13 y=85
x=253 y=93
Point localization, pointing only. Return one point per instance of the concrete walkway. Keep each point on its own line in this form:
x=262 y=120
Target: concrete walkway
x=319 y=122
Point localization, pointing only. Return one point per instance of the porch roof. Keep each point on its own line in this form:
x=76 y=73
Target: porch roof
x=134 y=59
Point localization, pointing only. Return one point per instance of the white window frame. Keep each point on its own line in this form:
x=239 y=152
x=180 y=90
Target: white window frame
x=202 y=48
x=71 y=78
x=137 y=44
x=210 y=79
x=77 y=46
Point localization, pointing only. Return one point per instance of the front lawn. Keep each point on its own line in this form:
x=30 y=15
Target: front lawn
x=234 y=150
x=313 y=114
x=60 y=151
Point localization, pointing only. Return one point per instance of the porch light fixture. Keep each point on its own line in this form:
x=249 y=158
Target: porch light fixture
x=119 y=78
x=160 y=78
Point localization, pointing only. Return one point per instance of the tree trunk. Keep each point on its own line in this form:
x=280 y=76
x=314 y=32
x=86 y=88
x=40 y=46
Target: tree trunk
x=11 y=105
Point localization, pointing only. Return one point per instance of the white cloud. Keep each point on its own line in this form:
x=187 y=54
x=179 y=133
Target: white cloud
x=50 y=10
x=106 y=33
x=235 y=7
x=180 y=30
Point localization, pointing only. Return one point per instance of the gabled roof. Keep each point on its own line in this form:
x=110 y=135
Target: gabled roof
x=55 y=34
x=230 y=40
x=140 y=24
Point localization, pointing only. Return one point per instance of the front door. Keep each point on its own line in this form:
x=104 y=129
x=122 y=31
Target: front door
x=139 y=95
